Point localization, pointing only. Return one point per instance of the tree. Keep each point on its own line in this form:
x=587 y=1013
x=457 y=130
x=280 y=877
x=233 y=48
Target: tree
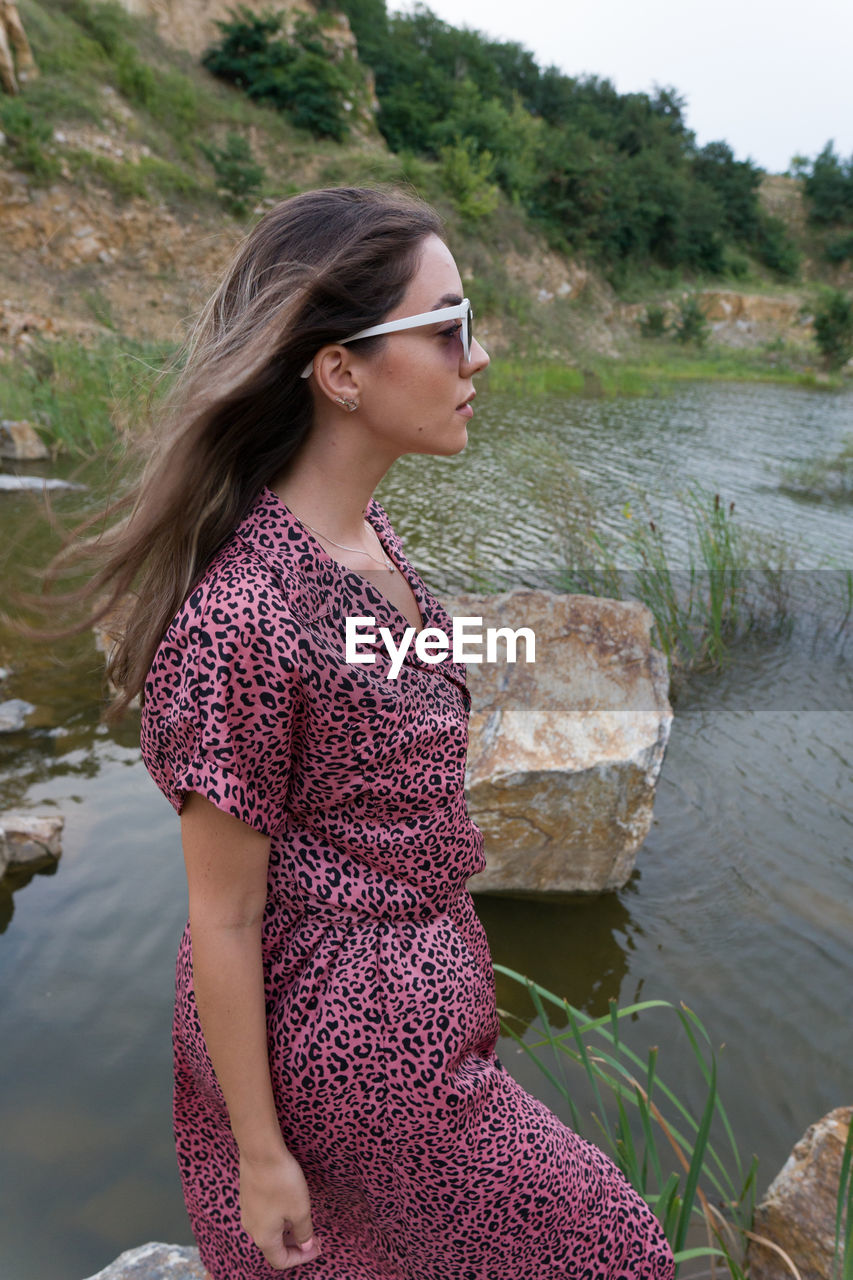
x=735 y=182
x=298 y=76
x=829 y=188
x=833 y=326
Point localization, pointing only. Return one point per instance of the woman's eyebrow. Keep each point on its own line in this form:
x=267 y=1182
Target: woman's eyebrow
x=448 y=300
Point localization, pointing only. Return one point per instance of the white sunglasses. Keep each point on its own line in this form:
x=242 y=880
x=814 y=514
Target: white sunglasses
x=461 y=311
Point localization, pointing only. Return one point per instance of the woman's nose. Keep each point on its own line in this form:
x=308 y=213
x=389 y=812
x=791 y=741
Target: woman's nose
x=478 y=359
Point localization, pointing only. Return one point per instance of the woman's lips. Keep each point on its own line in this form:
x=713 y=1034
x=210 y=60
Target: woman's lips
x=466 y=410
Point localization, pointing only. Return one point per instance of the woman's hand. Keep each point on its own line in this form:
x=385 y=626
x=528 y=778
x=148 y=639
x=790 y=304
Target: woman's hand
x=276 y=1210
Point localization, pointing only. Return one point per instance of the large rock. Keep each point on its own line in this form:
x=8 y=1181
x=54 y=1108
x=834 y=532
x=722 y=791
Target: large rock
x=16 y=58
x=191 y=24
x=736 y=319
x=13 y=714
x=27 y=839
x=33 y=484
x=564 y=752
x=798 y=1212
x=20 y=441
x=155 y=1262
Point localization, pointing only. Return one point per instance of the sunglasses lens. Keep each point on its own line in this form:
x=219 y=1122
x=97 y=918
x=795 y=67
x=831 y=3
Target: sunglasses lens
x=469 y=332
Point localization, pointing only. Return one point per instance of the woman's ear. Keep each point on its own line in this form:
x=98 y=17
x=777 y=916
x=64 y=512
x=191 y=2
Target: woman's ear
x=335 y=375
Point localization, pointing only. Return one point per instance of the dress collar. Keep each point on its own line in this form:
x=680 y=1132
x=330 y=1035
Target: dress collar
x=315 y=583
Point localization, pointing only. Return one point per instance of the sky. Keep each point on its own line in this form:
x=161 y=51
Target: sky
x=770 y=77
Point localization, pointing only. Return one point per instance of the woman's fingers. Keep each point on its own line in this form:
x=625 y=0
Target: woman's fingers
x=281 y=1254
x=276 y=1210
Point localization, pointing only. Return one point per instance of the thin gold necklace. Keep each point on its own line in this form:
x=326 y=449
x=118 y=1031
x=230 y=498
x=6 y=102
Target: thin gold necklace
x=385 y=561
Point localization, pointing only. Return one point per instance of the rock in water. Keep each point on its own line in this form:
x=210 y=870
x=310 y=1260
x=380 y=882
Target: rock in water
x=564 y=752
x=29 y=838
x=155 y=1262
x=798 y=1212
x=21 y=441
x=13 y=714
x=19 y=484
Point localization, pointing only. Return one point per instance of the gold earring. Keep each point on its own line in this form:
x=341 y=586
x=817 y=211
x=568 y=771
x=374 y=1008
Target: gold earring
x=349 y=405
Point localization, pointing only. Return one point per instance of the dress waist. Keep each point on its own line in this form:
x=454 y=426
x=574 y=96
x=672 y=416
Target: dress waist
x=419 y=910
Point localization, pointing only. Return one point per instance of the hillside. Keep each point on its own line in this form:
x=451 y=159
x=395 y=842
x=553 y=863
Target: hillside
x=113 y=220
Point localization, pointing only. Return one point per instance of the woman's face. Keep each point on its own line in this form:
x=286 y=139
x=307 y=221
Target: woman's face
x=415 y=393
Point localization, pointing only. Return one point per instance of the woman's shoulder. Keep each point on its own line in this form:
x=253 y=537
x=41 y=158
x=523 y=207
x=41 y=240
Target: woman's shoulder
x=237 y=619
x=237 y=582
x=240 y=602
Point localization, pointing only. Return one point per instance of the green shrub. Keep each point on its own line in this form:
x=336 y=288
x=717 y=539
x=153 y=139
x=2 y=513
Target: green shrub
x=238 y=176
x=829 y=187
x=107 y=23
x=128 y=179
x=124 y=178
x=775 y=247
x=29 y=140
x=297 y=76
x=135 y=79
x=313 y=94
x=175 y=103
x=691 y=325
x=466 y=178
x=839 y=248
x=833 y=326
x=735 y=263
x=653 y=323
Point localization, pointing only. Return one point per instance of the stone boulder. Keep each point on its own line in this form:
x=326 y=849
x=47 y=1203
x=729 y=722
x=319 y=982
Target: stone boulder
x=191 y=24
x=16 y=57
x=27 y=839
x=798 y=1212
x=155 y=1262
x=13 y=714
x=21 y=442
x=564 y=752
x=34 y=484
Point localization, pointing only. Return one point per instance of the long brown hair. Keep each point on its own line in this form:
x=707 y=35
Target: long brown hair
x=315 y=268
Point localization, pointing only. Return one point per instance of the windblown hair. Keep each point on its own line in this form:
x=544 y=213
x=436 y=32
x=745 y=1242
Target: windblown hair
x=314 y=269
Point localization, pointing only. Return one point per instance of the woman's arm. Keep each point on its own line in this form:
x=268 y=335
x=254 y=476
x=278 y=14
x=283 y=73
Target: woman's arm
x=226 y=863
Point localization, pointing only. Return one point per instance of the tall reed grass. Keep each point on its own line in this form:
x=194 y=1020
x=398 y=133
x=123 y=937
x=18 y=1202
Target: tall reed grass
x=684 y=1162
x=823 y=479
x=82 y=398
x=737 y=581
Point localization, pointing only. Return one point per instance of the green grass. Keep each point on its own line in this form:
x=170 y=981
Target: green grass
x=650 y=375
x=82 y=399
x=684 y=1162
x=143 y=179
x=736 y=582
x=822 y=478
x=81 y=48
x=842 y=1262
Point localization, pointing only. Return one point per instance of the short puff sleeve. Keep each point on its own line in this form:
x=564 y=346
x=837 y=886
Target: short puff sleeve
x=220 y=701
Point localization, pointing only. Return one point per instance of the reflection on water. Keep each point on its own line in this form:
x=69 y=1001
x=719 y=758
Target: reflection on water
x=742 y=904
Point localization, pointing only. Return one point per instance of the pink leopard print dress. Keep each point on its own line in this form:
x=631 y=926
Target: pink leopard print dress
x=424 y=1158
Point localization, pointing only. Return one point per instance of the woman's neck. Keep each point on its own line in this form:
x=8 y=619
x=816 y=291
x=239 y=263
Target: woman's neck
x=327 y=503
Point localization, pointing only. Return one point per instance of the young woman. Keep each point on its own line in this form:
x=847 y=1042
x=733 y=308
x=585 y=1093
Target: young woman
x=338 y=1100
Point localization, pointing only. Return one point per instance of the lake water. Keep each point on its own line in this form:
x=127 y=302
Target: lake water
x=741 y=905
